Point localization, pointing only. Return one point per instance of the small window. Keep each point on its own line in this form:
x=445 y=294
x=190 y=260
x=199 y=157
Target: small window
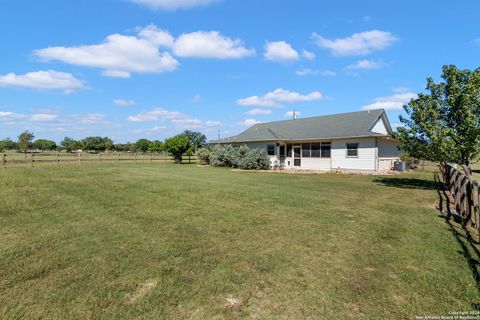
x=271 y=149
x=315 y=150
x=289 y=150
x=352 y=149
x=306 y=150
x=282 y=151
x=326 y=149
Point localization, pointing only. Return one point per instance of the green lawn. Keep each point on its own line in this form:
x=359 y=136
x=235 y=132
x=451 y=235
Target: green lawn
x=154 y=241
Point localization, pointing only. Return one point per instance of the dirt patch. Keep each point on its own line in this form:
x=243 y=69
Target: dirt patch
x=141 y=291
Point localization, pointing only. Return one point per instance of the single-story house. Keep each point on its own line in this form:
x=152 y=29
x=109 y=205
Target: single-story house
x=355 y=141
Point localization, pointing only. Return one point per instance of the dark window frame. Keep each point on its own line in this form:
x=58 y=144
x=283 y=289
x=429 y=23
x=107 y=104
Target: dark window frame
x=306 y=150
x=354 y=146
x=315 y=150
x=323 y=148
x=268 y=149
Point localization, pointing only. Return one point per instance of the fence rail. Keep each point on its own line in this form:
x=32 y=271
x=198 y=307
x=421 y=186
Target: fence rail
x=463 y=193
x=33 y=159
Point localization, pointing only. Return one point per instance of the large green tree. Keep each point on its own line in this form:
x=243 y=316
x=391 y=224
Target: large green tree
x=8 y=144
x=44 y=144
x=443 y=125
x=25 y=141
x=70 y=144
x=177 y=146
x=142 y=145
x=196 y=139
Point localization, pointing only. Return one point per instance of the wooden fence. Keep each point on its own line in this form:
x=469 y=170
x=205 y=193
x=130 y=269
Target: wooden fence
x=463 y=195
x=33 y=159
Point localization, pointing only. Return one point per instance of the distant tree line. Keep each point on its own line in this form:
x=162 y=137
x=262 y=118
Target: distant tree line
x=188 y=142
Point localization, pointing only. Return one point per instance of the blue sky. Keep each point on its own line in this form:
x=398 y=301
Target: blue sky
x=152 y=68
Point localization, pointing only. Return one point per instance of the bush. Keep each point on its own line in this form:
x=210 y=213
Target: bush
x=242 y=157
x=204 y=154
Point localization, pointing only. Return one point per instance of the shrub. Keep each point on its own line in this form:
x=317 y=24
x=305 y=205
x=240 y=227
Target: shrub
x=204 y=154
x=242 y=157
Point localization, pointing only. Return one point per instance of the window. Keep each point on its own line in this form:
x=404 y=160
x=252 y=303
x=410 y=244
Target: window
x=282 y=151
x=271 y=149
x=306 y=150
x=289 y=150
x=326 y=148
x=352 y=149
x=315 y=150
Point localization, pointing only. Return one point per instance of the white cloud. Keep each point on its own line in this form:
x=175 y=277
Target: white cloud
x=280 y=51
x=394 y=102
x=150 y=51
x=210 y=44
x=290 y=114
x=197 y=98
x=357 y=44
x=255 y=112
x=151 y=131
x=43 y=117
x=279 y=97
x=124 y=103
x=309 y=72
x=118 y=55
x=366 y=65
x=308 y=55
x=171 y=5
x=178 y=119
x=44 y=80
x=249 y=122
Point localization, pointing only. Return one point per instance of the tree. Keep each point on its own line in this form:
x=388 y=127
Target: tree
x=177 y=146
x=25 y=141
x=196 y=139
x=444 y=124
x=107 y=143
x=8 y=144
x=93 y=144
x=70 y=144
x=44 y=144
x=142 y=145
x=155 y=146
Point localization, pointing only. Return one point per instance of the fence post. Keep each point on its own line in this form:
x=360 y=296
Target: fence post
x=79 y=158
x=4 y=160
x=136 y=160
x=58 y=158
x=118 y=158
x=189 y=161
x=33 y=159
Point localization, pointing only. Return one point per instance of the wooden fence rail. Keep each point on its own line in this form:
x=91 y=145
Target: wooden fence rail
x=463 y=194
x=33 y=159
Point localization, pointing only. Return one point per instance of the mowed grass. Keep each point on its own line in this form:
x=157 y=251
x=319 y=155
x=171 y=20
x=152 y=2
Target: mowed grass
x=160 y=241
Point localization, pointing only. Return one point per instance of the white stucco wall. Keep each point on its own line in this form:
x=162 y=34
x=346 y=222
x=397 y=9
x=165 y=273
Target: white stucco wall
x=367 y=154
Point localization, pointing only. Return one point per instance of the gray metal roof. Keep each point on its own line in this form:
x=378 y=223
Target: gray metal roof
x=344 y=125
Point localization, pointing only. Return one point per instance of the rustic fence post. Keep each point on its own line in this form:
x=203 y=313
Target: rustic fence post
x=58 y=158
x=118 y=158
x=189 y=160
x=33 y=159
x=79 y=158
x=4 y=160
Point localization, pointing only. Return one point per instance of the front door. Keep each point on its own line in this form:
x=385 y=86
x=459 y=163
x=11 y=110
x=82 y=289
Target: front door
x=297 y=156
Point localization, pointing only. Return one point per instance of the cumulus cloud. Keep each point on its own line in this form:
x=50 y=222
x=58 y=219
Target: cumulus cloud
x=44 y=80
x=255 y=112
x=310 y=72
x=280 y=51
x=249 y=122
x=118 y=56
x=278 y=98
x=393 y=102
x=124 y=103
x=171 y=5
x=210 y=44
x=308 y=55
x=366 y=65
x=151 y=50
x=176 y=118
x=357 y=44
